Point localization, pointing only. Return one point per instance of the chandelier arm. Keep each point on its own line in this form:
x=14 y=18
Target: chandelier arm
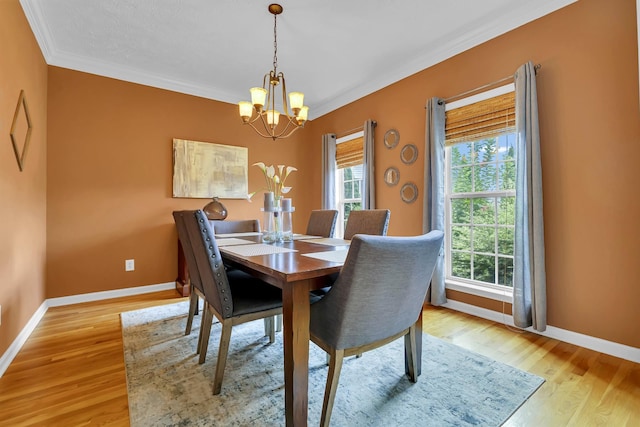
x=264 y=135
x=285 y=105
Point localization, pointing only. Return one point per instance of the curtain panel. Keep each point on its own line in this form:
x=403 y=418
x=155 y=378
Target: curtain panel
x=328 y=171
x=529 y=274
x=433 y=205
x=368 y=179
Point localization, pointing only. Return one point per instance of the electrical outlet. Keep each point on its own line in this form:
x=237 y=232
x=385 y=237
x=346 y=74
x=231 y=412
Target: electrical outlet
x=129 y=265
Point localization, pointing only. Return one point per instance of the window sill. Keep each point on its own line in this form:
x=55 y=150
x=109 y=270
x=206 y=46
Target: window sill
x=481 y=291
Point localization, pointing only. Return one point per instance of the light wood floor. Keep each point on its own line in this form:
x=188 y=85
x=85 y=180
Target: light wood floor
x=71 y=370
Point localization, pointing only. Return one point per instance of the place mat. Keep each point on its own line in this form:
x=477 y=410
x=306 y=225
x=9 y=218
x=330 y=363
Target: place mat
x=305 y=236
x=332 y=256
x=257 y=249
x=329 y=241
x=232 y=241
x=246 y=234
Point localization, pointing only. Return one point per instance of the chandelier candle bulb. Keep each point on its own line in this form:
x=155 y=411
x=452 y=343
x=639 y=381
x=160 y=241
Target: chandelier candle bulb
x=296 y=99
x=273 y=117
x=258 y=97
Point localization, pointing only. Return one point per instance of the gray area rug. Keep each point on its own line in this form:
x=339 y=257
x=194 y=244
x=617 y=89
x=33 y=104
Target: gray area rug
x=167 y=387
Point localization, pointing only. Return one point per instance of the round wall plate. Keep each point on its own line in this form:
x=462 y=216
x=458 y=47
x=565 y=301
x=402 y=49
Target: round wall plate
x=409 y=192
x=391 y=176
x=391 y=138
x=409 y=154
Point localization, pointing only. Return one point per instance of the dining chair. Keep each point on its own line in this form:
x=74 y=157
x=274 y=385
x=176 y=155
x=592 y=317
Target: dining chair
x=233 y=297
x=197 y=291
x=322 y=222
x=377 y=299
x=367 y=221
x=238 y=226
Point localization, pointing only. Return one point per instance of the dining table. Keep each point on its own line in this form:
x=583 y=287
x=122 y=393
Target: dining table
x=297 y=267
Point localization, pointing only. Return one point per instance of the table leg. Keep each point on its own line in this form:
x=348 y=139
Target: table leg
x=295 y=310
x=418 y=347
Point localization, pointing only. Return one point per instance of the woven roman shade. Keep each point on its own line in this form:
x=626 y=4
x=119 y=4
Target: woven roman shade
x=481 y=120
x=350 y=153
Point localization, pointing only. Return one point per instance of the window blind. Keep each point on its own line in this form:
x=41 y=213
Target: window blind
x=350 y=153
x=481 y=120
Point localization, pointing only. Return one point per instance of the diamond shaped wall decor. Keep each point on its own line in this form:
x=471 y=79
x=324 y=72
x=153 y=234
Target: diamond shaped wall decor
x=21 y=153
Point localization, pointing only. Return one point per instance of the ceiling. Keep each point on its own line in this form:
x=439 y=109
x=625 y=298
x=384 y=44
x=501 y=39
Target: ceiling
x=334 y=51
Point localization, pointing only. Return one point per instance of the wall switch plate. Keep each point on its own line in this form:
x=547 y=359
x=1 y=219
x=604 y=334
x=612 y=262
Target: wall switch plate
x=129 y=265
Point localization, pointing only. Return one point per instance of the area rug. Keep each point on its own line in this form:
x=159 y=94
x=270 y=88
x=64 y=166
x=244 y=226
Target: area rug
x=167 y=387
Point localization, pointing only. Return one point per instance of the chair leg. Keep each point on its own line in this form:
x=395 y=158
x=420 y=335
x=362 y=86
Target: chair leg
x=278 y=322
x=335 y=366
x=272 y=329
x=193 y=308
x=202 y=328
x=411 y=355
x=223 y=350
x=207 y=320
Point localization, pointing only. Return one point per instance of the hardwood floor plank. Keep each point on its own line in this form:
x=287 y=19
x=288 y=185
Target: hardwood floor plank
x=71 y=372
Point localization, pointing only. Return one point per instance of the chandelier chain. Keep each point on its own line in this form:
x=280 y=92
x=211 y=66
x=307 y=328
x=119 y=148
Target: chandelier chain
x=275 y=44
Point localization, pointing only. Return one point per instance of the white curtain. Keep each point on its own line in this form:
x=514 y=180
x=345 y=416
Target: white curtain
x=328 y=171
x=529 y=275
x=433 y=208
x=368 y=179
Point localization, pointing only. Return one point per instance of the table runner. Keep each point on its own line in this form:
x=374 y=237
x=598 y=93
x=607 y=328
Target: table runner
x=332 y=256
x=232 y=241
x=257 y=249
x=329 y=241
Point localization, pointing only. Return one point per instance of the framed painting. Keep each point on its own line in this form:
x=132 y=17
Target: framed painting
x=205 y=170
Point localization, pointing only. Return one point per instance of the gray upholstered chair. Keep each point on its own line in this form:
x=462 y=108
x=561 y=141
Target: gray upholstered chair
x=377 y=299
x=367 y=221
x=239 y=226
x=322 y=222
x=233 y=297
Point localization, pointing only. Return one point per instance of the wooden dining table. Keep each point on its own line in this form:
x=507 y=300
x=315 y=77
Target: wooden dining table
x=296 y=274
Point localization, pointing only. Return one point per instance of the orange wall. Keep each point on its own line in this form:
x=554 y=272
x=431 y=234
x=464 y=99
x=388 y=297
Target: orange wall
x=109 y=163
x=590 y=135
x=23 y=194
x=110 y=178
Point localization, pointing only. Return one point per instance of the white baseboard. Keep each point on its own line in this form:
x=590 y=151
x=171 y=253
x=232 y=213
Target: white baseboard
x=97 y=296
x=603 y=346
x=22 y=337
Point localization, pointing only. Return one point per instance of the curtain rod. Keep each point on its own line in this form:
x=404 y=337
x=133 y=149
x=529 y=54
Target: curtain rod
x=354 y=130
x=488 y=85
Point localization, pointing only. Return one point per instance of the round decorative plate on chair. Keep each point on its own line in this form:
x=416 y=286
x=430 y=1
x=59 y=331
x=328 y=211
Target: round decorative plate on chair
x=391 y=138
x=409 y=154
x=391 y=176
x=409 y=192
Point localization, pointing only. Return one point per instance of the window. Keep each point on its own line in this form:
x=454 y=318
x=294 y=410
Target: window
x=480 y=175
x=349 y=173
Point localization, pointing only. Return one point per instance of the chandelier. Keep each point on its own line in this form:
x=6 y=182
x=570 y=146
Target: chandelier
x=262 y=107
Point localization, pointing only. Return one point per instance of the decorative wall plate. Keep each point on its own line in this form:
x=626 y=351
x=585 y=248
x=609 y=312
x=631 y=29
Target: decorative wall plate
x=391 y=138
x=409 y=154
x=409 y=192
x=391 y=176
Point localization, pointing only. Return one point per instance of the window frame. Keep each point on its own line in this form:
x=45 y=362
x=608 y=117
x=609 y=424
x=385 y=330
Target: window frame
x=487 y=290
x=339 y=182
